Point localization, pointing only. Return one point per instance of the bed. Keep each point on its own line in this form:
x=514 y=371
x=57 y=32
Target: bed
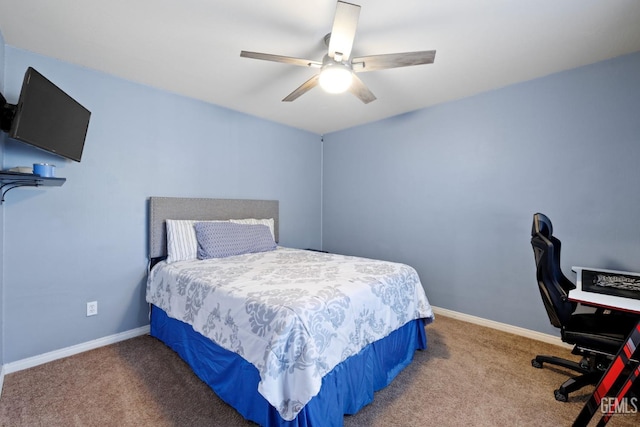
x=287 y=337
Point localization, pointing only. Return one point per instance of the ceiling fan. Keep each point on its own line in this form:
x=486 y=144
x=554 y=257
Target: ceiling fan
x=337 y=72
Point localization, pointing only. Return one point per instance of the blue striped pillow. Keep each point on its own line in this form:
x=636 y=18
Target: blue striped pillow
x=224 y=239
x=182 y=244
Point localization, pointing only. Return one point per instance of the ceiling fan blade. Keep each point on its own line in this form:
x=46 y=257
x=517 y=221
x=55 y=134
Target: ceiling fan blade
x=343 y=31
x=359 y=89
x=392 y=60
x=278 y=58
x=304 y=88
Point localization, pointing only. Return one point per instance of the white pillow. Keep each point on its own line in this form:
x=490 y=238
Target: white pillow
x=268 y=222
x=182 y=244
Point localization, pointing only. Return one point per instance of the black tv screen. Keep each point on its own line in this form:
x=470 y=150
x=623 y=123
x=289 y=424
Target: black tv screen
x=47 y=118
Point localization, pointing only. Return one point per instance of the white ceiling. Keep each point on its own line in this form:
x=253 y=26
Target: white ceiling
x=192 y=47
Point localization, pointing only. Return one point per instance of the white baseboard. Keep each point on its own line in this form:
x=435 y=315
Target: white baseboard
x=504 y=327
x=112 y=339
x=1 y=378
x=30 y=362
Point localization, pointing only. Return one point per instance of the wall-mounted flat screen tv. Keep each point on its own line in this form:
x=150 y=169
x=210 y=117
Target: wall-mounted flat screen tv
x=47 y=118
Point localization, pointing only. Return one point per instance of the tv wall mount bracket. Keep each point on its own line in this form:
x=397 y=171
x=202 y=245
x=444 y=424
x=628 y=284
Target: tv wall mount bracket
x=7 y=113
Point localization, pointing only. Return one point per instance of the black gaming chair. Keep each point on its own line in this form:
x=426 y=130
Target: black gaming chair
x=597 y=336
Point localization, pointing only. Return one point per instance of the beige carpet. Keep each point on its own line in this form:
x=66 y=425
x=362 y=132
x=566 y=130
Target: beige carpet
x=469 y=376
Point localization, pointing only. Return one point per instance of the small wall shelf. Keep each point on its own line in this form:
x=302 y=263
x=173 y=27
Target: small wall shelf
x=9 y=181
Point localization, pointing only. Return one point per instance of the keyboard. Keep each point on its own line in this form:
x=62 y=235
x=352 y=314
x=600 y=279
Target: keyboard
x=622 y=285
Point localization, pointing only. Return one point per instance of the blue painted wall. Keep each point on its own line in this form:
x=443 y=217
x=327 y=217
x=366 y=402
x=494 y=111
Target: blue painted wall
x=86 y=240
x=452 y=189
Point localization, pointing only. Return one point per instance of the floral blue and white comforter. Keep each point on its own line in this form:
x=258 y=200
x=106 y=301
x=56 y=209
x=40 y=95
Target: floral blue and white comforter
x=293 y=314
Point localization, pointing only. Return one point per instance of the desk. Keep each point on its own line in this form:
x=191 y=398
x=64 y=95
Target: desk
x=630 y=350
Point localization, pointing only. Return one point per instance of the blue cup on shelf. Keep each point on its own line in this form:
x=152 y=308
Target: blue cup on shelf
x=45 y=170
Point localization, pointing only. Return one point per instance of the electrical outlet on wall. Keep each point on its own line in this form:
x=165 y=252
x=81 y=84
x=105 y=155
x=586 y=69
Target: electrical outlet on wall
x=92 y=308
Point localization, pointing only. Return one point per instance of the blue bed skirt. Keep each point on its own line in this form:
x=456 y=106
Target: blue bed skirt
x=345 y=390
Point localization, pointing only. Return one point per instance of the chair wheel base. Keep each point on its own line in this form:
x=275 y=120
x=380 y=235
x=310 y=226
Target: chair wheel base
x=560 y=395
x=536 y=364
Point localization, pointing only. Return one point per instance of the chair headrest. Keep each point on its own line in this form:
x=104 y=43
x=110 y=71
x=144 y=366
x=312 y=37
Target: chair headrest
x=541 y=225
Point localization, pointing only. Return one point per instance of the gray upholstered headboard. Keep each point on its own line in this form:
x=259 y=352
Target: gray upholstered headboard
x=163 y=208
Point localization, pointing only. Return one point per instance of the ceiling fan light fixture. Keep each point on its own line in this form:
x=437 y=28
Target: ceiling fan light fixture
x=335 y=77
